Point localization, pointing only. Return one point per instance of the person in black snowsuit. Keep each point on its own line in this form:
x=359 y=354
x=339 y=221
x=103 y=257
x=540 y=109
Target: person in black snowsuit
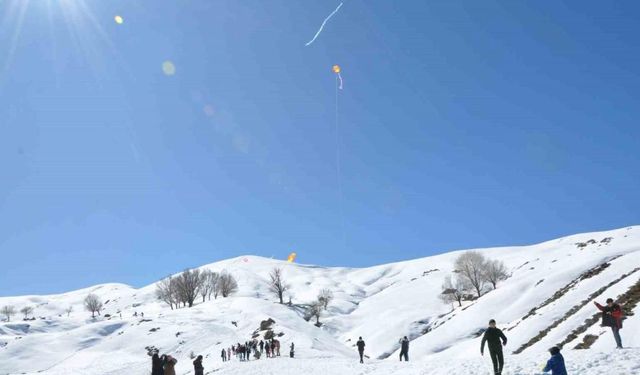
x=361 y=345
x=404 y=349
x=156 y=365
x=292 y=350
x=224 y=355
x=197 y=366
x=261 y=346
x=612 y=317
x=493 y=336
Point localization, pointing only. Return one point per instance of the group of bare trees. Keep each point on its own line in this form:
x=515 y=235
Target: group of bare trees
x=278 y=286
x=182 y=290
x=475 y=273
x=9 y=311
x=320 y=304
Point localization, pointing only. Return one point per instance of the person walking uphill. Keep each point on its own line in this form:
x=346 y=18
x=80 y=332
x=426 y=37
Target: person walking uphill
x=493 y=336
x=197 y=366
x=555 y=364
x=612 y=317
x=361 y=345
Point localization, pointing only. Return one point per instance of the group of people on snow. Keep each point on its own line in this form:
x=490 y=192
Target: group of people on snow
x=165 y=364
x=493 y=338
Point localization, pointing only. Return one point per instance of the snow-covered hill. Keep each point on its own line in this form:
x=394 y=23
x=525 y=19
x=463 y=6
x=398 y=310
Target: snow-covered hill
x=545 y=301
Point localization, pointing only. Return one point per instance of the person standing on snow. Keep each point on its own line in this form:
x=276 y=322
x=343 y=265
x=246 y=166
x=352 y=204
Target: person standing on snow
x=224 y=355
x=261 y=346
x=291 y=350
x=197 y=366
x=555 y=364
x=360 y=345
x=170 y=366
x=404 y=349
x=493 y=336
x=612 y=317
x=156 y=365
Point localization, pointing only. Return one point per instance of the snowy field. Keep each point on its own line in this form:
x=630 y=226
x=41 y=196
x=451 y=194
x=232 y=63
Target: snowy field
x=547 y=291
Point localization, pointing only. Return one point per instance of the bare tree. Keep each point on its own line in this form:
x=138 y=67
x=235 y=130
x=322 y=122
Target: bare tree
x=315 y=311
x=325 y=297
x=228 y=284
x=471 y=267
x=453 y=291
x=209 y=284
x=26 y=311
x=214 y=280
x=93 y=304
x=188 y=285
x=495 y=271
x=166 y=291
x=68 y=310
x=8 y=312
x=277 y=285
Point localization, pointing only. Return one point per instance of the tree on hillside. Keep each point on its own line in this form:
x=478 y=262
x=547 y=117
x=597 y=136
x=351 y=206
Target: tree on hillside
x=166 y=291
x=325 y=297
x=315 y=311
x=453 y=291
x=277 y=285
x=188 y=285
x=8 y=312
x=228 y=284
x=209 y=284
x=26 y=311
x=93 y=304
x=471 y=267
x=495 y=271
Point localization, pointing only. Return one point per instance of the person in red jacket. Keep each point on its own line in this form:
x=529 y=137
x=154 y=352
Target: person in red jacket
x=612 y=317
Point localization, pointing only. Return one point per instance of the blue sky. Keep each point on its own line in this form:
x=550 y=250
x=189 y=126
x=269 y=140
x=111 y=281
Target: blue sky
x=461 y=124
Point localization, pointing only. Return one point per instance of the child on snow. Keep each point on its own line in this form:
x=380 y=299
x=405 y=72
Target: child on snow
x=555 y=364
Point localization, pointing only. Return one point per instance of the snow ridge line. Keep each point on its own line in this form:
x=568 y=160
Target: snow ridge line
x=572 y=311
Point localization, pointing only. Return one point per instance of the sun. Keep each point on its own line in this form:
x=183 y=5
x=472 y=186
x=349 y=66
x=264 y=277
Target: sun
x=74 y=19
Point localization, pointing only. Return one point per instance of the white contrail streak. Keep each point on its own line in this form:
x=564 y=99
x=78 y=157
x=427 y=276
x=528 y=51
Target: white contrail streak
x=324 y=23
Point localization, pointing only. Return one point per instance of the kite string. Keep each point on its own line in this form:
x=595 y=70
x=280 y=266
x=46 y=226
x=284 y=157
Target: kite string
x=324 y=23
x=338 y=169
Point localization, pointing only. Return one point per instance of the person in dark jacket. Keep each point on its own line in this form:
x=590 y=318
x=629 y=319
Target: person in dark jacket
x=555 y=364
x=170 y=365
x=612 y=317
x=197 y=366
x=156 y=365
x=493 y=336
x=291 y=350
x=360 y=345
x=404 y=349
x=261 y=346
x=224 y=355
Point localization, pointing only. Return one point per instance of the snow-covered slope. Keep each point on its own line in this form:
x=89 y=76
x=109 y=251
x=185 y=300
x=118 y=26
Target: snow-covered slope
x=548 y=296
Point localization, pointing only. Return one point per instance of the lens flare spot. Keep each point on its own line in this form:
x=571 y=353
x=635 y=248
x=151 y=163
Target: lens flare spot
x=208 y=110
x=168 y=68
x=119 y=20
